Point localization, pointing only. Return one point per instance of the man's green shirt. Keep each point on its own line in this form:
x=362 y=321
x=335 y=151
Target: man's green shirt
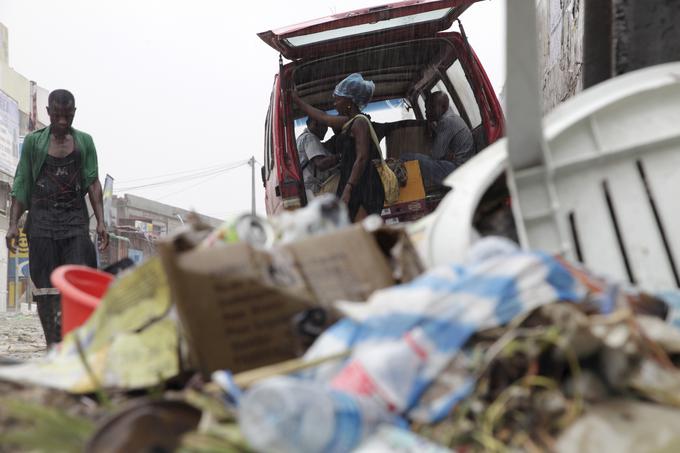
x=34 y=153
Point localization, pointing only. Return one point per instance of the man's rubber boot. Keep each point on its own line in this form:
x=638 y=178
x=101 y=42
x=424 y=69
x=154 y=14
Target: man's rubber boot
x=49 y=312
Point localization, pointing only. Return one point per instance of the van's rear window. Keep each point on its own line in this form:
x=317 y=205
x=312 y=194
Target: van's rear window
x=363 y=29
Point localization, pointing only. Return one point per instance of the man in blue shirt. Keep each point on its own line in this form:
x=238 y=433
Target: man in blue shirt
x=453 y=141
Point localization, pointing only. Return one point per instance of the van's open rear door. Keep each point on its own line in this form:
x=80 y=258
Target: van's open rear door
x=365 y=27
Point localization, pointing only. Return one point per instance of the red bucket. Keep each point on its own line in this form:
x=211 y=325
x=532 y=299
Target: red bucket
x=81 y=290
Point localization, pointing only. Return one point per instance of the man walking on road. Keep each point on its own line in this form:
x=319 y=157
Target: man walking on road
x=58 y=166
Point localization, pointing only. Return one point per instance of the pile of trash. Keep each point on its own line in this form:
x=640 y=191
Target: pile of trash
x=308 y=334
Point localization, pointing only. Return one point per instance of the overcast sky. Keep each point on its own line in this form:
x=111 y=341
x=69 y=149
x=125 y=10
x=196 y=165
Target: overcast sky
x=166 y=86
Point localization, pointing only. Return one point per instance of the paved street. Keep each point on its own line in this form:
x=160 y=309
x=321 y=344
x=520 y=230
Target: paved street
x=21 y=336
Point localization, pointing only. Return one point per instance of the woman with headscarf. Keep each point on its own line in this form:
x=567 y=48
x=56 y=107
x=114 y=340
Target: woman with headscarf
x=360 y=186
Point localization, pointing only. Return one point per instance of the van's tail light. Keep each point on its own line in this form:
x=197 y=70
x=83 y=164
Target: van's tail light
x=291 y=195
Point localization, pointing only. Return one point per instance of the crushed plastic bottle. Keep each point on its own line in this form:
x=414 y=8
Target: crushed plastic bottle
x=248 y=228
x=324 y=214
x=284 y=414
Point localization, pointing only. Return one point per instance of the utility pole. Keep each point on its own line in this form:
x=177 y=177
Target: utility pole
x=251 y=162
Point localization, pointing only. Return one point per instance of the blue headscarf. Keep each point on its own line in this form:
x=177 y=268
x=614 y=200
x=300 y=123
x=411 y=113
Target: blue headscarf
x=354 y=86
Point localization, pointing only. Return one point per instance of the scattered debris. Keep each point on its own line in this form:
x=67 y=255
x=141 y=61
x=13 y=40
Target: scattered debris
x=507 y=350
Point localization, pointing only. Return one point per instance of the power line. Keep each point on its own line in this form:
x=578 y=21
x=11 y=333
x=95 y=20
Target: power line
x=182 y=172
x=194 y=185
x=180 y=179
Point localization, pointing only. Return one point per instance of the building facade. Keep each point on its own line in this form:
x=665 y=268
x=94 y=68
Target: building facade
x=22 y=110
x=136 y=223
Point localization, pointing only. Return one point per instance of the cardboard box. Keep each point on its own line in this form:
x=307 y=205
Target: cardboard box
x=412 y=137
x=346 y=265
x=236 y=303
x=414 y=189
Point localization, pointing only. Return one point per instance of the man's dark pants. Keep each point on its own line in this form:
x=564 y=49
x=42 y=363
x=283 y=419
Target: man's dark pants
x=45 y=255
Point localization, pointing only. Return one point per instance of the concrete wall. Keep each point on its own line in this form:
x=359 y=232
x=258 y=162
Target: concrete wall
x=646 y=33
x=618 y=36
x=560 y=37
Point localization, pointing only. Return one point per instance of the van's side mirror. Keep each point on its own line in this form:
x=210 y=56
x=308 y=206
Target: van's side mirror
x=262 y=172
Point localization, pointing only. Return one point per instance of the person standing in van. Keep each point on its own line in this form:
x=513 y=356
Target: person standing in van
x=316 y=160
x=58 y=166
x=453 y=141
x=360 y=186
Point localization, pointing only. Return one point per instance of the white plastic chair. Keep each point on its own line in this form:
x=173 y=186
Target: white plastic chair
x=596 y=184
x=606 y=191
x=600 y=187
